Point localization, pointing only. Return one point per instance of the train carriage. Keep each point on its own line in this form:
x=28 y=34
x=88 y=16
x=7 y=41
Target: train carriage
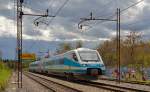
x=78 y=62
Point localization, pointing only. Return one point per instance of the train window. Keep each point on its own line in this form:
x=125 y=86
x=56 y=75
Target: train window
x=74 y=56
x=46 y=63
x=56 y=61
x=89 y=56
x=71 y=55
x=61 y=61
x=49 y=62
x=68 y=55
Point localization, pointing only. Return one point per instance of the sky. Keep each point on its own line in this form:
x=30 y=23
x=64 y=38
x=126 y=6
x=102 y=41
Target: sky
x=64 y=27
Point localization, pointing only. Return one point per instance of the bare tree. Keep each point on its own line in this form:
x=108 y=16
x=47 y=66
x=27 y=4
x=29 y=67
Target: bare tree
x=63 y=47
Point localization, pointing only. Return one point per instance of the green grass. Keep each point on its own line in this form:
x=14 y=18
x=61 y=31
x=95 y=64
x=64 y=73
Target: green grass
x=5 y=74
x=138 y=79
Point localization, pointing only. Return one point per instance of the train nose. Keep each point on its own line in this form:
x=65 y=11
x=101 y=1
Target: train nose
x=92 y=72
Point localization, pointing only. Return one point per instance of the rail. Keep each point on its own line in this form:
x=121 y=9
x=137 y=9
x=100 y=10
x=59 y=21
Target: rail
x=124 y=81
x=54 y=86
x=107 y=86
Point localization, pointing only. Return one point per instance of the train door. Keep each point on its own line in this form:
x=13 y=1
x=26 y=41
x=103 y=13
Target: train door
x=69 y=59
x=73 y=58
x=39 y=66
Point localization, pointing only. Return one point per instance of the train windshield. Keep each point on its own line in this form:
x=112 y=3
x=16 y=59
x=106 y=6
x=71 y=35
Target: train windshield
x=89 y=56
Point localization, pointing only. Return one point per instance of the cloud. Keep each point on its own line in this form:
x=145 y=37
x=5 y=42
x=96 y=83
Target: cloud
x=64 y=27
x=7 y=27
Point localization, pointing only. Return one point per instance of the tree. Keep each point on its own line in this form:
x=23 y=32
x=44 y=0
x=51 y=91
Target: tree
x=134 y=51
x=63 y=47
x=0 y=55
x=108 y=52
x=79 y=44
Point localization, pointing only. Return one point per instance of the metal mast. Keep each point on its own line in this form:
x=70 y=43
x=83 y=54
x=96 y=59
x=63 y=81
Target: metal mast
x=19 y=36
x=118 y=46
x=19 y=41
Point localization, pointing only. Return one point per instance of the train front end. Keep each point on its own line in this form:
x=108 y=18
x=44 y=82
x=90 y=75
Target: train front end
x=91 y=62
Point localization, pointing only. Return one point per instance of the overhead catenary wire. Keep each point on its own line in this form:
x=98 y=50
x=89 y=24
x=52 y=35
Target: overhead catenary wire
x=122 y=11
x=102 y=10
x=57 y=12
x=63 y=6
x=34 y=43
x=132 y=5
x=51 y=6
x=61 y=9
x=27 y=5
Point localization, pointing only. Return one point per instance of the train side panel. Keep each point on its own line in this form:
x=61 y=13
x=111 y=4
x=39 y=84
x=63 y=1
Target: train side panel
x=67 y=64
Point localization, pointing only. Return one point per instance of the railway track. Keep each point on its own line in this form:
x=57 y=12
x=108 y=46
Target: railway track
x=51 y=85
x=105 y=86
x=114 y=87
x=123 y=81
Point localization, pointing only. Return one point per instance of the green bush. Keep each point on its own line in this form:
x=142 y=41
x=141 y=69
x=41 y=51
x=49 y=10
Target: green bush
x=4 y=76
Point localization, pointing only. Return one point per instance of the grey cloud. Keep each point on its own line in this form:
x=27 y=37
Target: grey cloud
x=8 y=47
x=140 y=23
x=4 y=11
x=70 y=16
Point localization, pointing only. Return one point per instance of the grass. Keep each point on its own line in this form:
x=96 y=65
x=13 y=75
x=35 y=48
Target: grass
x=138 y=79
x=5 y=74
x=137 y=75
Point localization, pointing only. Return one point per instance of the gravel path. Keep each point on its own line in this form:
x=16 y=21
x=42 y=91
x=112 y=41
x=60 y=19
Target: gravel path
x=29 y=85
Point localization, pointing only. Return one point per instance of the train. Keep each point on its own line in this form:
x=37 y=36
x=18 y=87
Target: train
x=82 y=63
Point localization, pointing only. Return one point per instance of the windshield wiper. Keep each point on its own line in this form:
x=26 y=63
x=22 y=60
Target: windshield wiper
x=85 y=60
x=90 y=60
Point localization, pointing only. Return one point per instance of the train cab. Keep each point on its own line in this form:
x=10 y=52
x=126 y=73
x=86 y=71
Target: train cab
x=92 y=61
x=86 y=61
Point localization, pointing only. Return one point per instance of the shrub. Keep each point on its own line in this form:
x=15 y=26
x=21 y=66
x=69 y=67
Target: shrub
x=4 y=76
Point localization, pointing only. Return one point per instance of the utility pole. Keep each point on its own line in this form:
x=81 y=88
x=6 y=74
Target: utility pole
x=19 y=41
x=19 y=37
x=117 y=20
x=118 y=45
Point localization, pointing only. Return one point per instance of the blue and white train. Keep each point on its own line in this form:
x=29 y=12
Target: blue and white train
x=81 y=62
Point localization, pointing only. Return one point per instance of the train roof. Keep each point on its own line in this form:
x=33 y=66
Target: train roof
x=81 y=49
x=78 y=49
x=35 y=62
x=84 y=49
